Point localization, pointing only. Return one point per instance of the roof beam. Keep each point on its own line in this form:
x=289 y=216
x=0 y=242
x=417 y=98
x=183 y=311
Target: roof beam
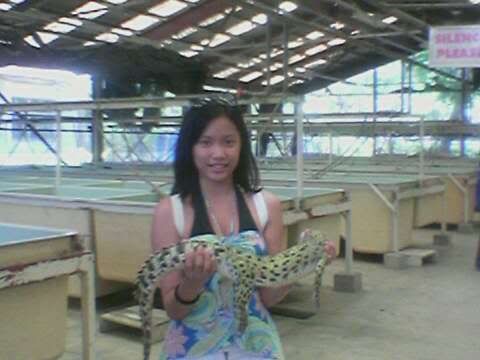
x=450 y=5
x=93 y=28
x=387 y=11
x=394 y=55
x=389 y=8
x=207 y=8
x=90 y=27
x=187 y=19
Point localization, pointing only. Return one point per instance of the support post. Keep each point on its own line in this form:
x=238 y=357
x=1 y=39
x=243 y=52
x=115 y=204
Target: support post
x=444 y=210
x=402 y=94
x=88 y=311
x=330 y=148
x=285 y=57
x=299 y=156
x=395 y=213
x=375 y=108
x=58 y=150
x=268 y=39
x=97 y=140
x=466 y=202
x=97 y=127
x=348 y=281
x=348 y=240
x=443 y=239
x=422 y=154
x=464 y=102
x=410 y=67
x=394 y=259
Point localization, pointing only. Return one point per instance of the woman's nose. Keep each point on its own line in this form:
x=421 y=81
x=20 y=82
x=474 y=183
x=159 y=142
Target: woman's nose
x=218 y=150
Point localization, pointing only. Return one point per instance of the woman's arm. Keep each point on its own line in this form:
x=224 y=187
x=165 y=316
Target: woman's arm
x=275 y=242
x=199 y=265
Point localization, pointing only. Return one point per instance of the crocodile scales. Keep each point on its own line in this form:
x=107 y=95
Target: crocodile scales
x=245 y=269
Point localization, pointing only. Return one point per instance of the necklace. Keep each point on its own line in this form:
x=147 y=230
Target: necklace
x=214 y=219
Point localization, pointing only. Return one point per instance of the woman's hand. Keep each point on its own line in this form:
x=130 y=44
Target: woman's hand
x=200 y=264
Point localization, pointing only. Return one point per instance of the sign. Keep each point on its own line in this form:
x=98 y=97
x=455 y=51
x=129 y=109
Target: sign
x=454 y=46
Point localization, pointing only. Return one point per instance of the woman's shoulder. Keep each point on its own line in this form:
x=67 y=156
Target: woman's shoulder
x=165 y=204
x=165 y=222
x=270 y=198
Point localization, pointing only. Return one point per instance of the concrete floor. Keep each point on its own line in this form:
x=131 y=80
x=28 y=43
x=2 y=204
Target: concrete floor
x=426 y=313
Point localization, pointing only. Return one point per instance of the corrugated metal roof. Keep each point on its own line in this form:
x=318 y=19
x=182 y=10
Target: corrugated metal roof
x=295 y=45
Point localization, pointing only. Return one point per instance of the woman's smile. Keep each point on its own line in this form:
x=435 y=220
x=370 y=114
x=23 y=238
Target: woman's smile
x=218 y=166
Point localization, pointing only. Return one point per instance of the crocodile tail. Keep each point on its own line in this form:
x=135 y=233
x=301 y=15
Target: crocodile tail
x=156 y=266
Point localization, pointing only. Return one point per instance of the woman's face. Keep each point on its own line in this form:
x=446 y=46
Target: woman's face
x=217 y=151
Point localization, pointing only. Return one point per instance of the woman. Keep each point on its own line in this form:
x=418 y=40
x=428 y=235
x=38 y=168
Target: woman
x=216 y=192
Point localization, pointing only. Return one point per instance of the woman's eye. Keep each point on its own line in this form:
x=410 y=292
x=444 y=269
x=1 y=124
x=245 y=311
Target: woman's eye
x=205 y=142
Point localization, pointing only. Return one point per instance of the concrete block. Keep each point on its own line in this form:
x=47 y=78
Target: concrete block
x=466 y=228
x=442 y=240
x=418 y=257
x=476 y=217
x=414 y=261
x=347 y=282
x=395 y=260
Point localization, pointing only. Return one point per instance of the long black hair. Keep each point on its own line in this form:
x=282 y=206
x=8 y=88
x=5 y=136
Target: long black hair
x=195 y=121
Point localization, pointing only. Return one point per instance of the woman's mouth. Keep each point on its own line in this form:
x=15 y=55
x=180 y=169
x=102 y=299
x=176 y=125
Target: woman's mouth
x=218 y=167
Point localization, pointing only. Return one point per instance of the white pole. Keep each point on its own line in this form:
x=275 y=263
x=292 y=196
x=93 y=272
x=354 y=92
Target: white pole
x=444 y=208
x=58 y=149
x=330 y=148
x=466 y=204
x=395 y=220
x=299 y=127
x=348 y=240
x=422 y=159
